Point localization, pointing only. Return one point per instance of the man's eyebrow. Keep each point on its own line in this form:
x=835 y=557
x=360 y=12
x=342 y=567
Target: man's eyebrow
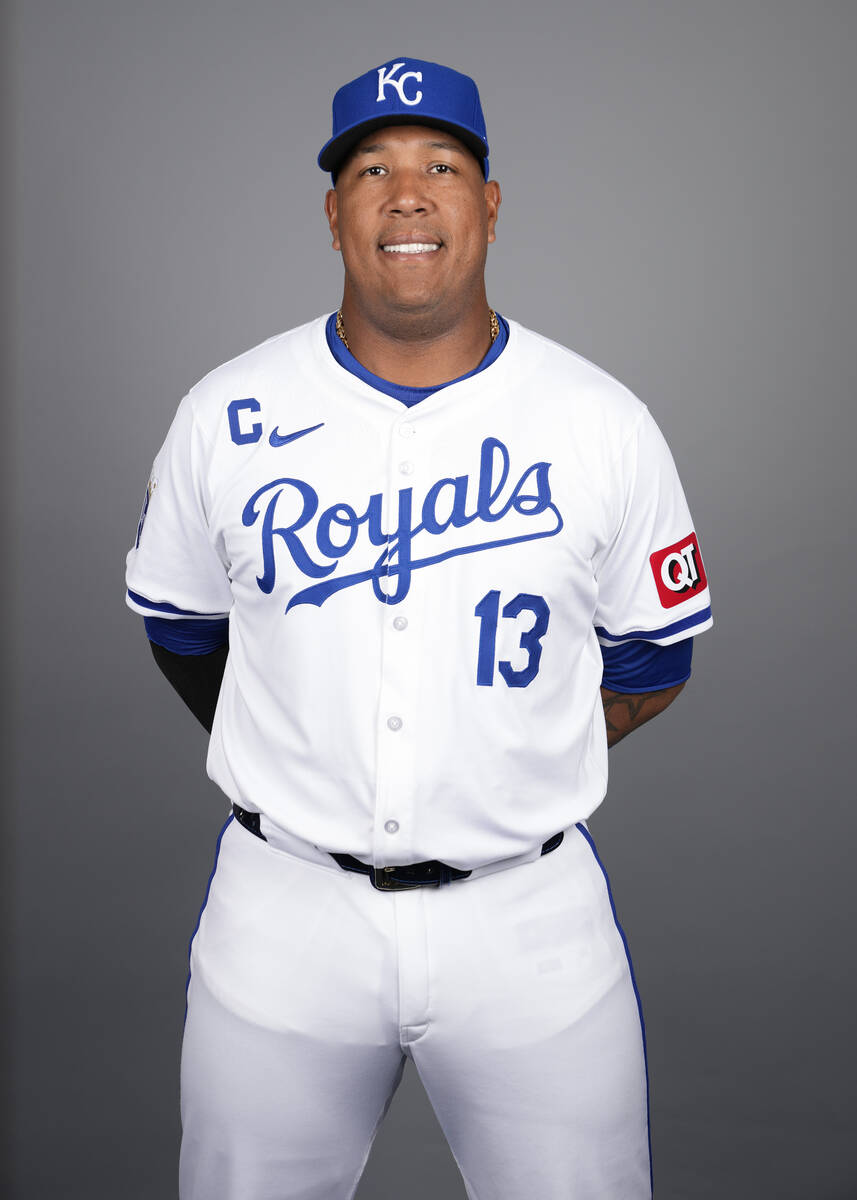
x=446 y=146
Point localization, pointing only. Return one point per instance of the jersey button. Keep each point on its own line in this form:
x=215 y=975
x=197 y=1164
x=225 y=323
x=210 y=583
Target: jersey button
x=394 y=723
x=406 y=467
x=406 y=431
x=400 y=622
x=391 y=827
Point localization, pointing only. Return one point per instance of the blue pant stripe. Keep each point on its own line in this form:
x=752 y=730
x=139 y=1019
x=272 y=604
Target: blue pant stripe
x=582 y=828
x=228 y=822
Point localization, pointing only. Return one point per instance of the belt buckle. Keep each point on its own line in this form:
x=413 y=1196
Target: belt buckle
x=382 y=879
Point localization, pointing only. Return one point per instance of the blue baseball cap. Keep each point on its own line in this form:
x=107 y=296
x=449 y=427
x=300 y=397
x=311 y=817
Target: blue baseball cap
x=406 y=91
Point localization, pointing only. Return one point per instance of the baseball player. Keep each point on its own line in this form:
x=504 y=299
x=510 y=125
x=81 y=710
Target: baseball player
x=415 y=567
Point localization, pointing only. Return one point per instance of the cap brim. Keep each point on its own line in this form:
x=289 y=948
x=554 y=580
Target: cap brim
x=334 y=153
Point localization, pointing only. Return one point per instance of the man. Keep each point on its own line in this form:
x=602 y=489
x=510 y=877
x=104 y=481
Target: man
x=438 y=550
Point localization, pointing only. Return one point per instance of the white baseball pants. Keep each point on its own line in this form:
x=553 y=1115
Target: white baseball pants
x=511 y=991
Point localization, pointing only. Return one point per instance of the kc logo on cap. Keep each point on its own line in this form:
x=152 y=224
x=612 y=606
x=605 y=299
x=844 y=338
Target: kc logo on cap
x=406 y=91
x=386 y=77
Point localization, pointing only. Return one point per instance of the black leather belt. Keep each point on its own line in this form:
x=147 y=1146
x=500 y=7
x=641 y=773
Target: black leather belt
x=390 y=879
x=249 y=820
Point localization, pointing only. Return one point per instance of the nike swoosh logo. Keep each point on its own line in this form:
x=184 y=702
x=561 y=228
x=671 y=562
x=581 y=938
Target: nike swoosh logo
x=281 y=439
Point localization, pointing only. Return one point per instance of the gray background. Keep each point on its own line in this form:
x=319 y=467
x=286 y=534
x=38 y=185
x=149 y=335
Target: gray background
x=679 y=207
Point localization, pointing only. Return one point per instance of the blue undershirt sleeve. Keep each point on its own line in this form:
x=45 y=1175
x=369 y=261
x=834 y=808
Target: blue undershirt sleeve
x=189 y=635
x=637 y=666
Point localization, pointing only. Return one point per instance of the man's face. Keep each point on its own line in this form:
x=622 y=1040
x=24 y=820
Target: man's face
x=413 y=217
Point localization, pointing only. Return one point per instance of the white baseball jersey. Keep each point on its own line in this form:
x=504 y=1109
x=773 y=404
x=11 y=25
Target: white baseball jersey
x=416 y=596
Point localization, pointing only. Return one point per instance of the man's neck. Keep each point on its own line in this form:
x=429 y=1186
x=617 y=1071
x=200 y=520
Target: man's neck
x=418 y=352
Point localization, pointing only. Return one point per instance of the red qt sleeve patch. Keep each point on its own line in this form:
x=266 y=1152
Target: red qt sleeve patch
x=678 y=570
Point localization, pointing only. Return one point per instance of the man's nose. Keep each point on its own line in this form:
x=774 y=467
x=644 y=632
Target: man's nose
x=407 y=195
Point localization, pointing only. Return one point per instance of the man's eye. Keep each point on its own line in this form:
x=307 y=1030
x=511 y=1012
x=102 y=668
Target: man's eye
x=376 y=170
x=441 y=168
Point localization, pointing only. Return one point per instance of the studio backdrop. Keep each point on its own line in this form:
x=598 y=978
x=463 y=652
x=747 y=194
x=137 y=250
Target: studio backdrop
x=678 y=198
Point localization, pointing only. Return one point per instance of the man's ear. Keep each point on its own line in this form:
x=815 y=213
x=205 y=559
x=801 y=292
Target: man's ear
x=332 y=215
x=493 y=200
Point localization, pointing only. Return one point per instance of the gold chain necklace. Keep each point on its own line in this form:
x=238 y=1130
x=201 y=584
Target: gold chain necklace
x=340 y=328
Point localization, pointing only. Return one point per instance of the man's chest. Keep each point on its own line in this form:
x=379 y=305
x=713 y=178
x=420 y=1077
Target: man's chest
x=312 y=499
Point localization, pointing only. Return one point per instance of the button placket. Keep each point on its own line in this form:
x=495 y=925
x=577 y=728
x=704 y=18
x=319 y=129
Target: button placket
x=395 y=757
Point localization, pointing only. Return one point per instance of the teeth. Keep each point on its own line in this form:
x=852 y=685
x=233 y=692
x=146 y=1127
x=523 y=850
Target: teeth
x=411 y=248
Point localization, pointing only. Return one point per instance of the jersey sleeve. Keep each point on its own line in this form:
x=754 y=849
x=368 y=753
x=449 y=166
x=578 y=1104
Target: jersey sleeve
x=652 y=584
x=174 y=568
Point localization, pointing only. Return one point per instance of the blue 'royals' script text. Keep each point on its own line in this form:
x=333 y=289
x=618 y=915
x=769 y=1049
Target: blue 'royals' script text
x=529 y=497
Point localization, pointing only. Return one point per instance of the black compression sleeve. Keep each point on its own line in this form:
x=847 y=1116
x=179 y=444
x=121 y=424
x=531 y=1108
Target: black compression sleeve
x=196 y=678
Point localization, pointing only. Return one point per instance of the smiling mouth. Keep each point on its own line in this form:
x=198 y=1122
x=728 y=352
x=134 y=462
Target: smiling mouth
x=411 y=248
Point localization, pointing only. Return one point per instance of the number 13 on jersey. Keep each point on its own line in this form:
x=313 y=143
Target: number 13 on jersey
x=489 y=613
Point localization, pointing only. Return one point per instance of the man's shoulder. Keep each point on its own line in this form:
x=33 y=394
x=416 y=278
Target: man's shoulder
x=252 y=367
x=574 y=376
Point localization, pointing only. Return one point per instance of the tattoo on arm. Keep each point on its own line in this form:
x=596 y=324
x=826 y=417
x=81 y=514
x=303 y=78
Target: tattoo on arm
x=625 y=713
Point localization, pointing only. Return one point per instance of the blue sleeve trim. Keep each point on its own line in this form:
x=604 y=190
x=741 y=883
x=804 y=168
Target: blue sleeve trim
x=645 y=666
x=644 y=635
x=188 y=636
x=144 y=602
